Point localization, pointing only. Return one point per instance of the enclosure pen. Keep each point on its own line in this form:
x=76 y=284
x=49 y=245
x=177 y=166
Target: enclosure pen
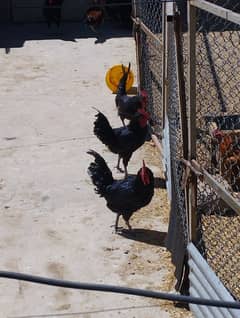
x=189 y=62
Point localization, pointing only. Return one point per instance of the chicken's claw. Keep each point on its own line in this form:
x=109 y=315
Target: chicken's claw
x=119 y=169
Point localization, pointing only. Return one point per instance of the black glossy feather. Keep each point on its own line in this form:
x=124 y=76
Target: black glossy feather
x=124 y=140
x=126 y=105
x=122 y=196
x=100 y=174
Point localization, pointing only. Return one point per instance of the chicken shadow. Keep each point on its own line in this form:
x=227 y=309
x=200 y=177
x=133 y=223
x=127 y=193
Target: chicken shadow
x=150 y=237
x=159 y=183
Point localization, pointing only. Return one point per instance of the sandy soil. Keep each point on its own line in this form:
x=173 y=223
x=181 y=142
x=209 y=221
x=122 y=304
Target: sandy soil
x=52 y=222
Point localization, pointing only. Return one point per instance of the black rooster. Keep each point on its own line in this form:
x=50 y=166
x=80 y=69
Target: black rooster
x=52 y=12
x=94 y=18
x=124 y=140
x=128 y=105
x=123 y=197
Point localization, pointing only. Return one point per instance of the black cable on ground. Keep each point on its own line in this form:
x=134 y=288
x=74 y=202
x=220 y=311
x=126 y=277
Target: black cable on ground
x=120 y=290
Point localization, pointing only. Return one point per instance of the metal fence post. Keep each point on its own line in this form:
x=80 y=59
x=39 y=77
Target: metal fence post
x=164 y=63
x=137 y=37
x=192 y=187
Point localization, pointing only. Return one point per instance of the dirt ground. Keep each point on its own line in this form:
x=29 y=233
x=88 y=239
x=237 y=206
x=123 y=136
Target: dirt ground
x=52 y=222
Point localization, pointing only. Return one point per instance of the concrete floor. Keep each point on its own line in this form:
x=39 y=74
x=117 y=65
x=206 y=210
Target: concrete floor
x=52 y=222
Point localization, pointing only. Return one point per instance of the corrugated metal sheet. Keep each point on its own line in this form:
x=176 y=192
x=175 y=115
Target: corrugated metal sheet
x=205 y=284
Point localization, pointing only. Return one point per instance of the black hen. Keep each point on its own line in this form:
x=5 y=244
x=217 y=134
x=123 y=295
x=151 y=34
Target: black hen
x=128 y=105
x=53 y=12
x=124 y=140
x=123 y=197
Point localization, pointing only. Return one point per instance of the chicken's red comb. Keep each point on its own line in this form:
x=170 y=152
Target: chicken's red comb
x=144 y=93
x=143 y=112
x=217 y=133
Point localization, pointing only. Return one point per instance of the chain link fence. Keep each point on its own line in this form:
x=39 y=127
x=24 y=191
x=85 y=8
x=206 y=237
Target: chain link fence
x=218 y=141
x=163 y=57
x=154 y=65
x=178 y=226
x=150 y=57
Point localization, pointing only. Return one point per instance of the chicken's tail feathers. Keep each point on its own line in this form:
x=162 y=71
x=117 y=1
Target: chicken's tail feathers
x=129 y=67
x=99 y=173
x=103 y=130
x=96 y=109
x=123 y=81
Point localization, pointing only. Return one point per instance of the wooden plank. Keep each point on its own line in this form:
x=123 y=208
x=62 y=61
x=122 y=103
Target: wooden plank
x=221 y=12
x=157 y=144
x=192 y=81
x=137 y=37
x=219 y=188
x=164 y=63
x=181 y=85
x=146 y=30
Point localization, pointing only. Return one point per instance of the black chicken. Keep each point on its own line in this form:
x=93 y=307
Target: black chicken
x=124 y=140
x=52 y=12
x=128 y=105
x=94 y=18
x=123 y=197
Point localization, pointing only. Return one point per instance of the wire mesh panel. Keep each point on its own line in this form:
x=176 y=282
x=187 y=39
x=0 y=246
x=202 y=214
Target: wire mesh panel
x=218 y=140
x=217 y=51
x=150 y=13
x=178 y=227
x=150 y=51
x=228 y=4
x=152 y=65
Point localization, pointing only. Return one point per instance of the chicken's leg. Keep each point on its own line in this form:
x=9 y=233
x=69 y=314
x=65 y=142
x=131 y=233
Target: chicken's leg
x=125 y=163
x=116 y=223
x=126 y=172
x=128 y=225
x=123 y=123
x=122 y=119
x=118 y=164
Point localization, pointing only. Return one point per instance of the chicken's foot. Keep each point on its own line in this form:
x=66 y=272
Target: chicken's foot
x=116 y=223
x=122 y=119
x=126 y=172
x=118 y=165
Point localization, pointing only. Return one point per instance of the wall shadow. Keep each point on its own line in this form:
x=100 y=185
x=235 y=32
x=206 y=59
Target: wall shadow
x=15 y=35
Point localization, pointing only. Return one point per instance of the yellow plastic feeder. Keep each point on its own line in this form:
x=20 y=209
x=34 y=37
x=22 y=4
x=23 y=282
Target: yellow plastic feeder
x=113 y=76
